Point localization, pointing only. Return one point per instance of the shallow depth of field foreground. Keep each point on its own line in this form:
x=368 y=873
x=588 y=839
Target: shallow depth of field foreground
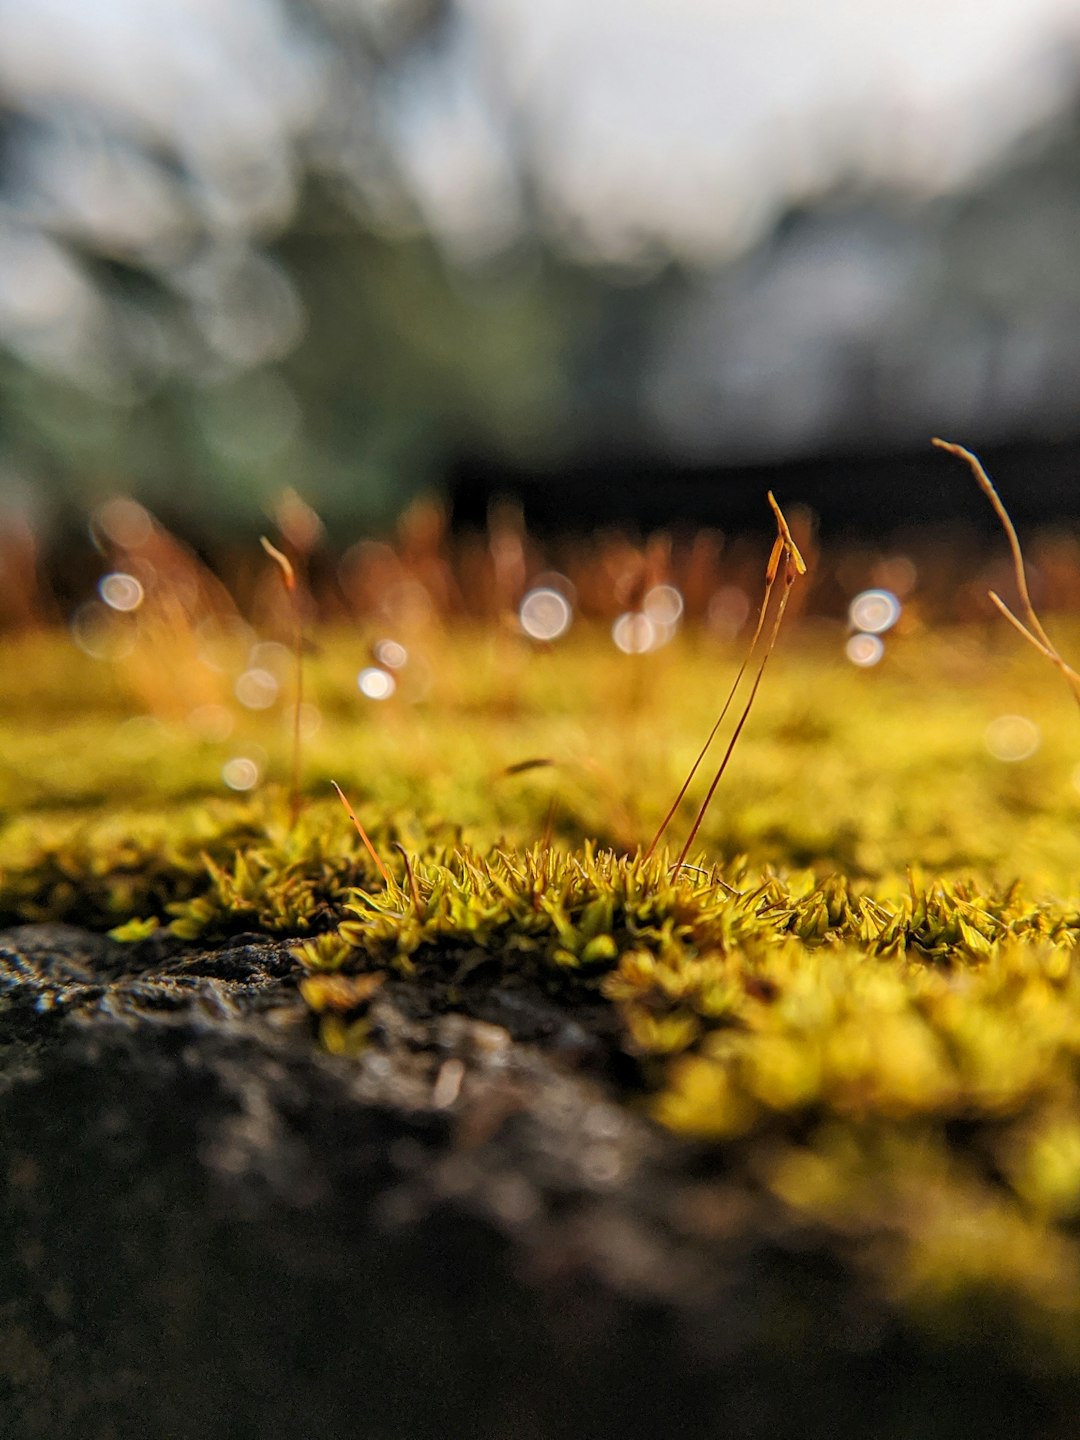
x=792 y=1130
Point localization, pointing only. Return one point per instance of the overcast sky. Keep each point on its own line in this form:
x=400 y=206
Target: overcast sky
x=692 y=121
x=683 y=122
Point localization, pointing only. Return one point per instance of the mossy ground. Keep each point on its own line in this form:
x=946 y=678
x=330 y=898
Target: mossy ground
x=865 y=998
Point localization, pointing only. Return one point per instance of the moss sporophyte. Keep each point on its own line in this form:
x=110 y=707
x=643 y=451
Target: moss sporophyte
x=860 y=1003
x=784 y=551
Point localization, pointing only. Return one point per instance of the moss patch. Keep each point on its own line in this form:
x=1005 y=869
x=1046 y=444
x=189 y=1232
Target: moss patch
x=865 y=999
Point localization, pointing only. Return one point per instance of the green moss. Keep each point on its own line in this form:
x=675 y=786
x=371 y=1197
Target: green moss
x=866 y=999
x=905 y=1068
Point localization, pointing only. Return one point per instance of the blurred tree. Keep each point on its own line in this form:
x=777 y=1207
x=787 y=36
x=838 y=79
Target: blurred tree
x=207 y=318
x=322 y=243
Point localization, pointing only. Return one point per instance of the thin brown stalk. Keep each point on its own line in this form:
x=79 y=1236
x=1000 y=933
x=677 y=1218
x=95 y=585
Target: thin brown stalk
x=288 y=575
x=784 y=547
x=362 y=833
x=770 y=580
x=986 y=485
x=413 y=891
x=790 y=573
x=1033 y=631
x=1019 y=625
x=1071 y=676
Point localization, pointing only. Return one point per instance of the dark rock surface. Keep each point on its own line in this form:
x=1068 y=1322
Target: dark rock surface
x=212 y=1229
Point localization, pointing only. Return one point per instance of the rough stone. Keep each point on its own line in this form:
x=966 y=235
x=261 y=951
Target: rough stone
x=212 y=1229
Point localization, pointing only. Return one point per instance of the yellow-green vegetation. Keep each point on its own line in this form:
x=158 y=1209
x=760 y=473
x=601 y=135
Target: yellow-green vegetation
x=906 y=1069
x=864 y=771
x=863 y=995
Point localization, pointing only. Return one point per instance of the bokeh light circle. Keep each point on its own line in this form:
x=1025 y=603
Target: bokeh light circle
x=256 y=689
x=1012 y=738
x=124 y=522
x=101 y=633
x=874 y=611
x=241 y=773
x=663 y=604
x=376 y=684
x=864 y=650
x=545 y=614
x=390 y=653
x=121 y=591
x=634 y=633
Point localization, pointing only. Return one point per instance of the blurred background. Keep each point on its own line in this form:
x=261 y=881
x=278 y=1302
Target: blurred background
x=629 y=261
